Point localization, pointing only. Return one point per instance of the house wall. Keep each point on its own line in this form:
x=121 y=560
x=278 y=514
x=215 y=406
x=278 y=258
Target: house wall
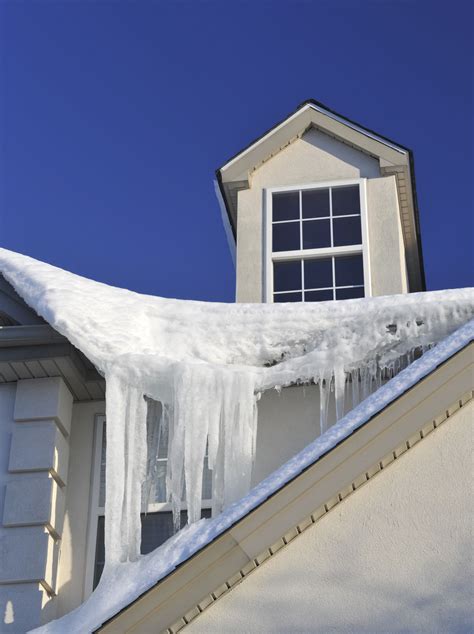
x=35 y=416
x=395 y=556
x=74 y=544
x=317 y=157
x=287 y=422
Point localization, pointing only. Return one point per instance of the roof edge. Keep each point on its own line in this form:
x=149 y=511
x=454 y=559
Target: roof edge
x=320 y=106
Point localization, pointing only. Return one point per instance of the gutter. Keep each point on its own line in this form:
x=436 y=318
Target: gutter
x=35 y=335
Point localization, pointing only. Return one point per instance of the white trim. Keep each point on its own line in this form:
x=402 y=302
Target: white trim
x=357 y=128
x=299 y=112
x=318 y=185
x=94 y=508
x=365 y=238
x=269 y=256
x=279 y=256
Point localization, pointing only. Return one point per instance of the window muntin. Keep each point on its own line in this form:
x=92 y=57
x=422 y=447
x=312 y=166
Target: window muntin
x=316 y=238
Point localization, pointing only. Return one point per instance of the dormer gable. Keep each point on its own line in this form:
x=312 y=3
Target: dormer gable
x=312 y=148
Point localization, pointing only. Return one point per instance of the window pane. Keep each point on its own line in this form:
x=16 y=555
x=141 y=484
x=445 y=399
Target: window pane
x=316 y=234
x=286 y=236
x=287 y=276
x=349 y=270
x=286 y=206
x=318 y=296
x=318 y=273
x=287 y=297
x=345 y=200
x=315 y=203
x=206 y=481
x=349 y=293
x=156 y=529
x=346 y=231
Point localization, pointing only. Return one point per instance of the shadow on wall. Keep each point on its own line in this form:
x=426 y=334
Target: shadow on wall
x=435 y=602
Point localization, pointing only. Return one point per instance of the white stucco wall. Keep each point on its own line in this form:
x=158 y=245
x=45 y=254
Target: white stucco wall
x=287 y=422
x=74 y=543
x=394 y=557
x=386 y=247
x=316 y=157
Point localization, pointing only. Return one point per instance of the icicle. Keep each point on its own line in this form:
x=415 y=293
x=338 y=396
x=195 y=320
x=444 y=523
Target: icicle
x=126 y=470
x=355 y=387
x=154 y=426
x=216 y=408
x=339 y=390
x=324 y=391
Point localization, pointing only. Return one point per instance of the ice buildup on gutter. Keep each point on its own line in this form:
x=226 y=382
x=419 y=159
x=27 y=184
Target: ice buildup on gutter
x=207 y=365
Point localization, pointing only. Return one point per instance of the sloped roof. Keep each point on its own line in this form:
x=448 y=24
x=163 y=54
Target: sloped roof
x=136 y=584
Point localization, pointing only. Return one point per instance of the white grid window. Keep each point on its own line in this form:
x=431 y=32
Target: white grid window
x=315 y=243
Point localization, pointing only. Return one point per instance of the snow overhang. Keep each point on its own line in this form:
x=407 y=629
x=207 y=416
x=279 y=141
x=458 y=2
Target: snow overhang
x=371 y=436
x=394 y=159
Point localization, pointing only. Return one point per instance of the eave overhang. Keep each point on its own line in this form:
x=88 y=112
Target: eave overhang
x=38 y=351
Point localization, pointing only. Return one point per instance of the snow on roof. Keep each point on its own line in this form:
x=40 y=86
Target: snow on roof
x=132 y=579
x=208 y=364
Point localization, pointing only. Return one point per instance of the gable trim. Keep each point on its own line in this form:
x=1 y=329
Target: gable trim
x=319 y=107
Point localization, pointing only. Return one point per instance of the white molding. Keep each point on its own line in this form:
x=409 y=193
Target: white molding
x=279 y=256
x=365 y=238
x=94 y=508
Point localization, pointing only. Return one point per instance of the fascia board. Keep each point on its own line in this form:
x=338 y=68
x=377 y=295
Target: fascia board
x=33 y=335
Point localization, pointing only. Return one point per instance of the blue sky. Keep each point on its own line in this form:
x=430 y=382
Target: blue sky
x=114 y=116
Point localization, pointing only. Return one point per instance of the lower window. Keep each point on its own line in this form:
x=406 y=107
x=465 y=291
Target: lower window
x=156 y=529
x=157 y=517
x=318 y=279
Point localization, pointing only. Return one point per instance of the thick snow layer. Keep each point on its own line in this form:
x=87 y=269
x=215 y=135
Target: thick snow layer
x=208 y=363
x=128 y=581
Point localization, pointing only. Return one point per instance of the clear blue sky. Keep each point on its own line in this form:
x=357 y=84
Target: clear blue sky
x=114 y=116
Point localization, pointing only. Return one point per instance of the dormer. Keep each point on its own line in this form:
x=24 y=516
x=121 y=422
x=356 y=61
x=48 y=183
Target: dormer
x=320 y=208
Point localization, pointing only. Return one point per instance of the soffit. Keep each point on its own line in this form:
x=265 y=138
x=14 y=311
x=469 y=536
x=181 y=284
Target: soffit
x=39 y=351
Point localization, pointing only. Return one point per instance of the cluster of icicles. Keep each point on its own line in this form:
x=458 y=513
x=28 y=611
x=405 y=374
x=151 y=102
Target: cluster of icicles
x=213 y=413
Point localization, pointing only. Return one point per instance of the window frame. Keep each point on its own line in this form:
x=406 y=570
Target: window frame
x=271 y=256
x=96 y=511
